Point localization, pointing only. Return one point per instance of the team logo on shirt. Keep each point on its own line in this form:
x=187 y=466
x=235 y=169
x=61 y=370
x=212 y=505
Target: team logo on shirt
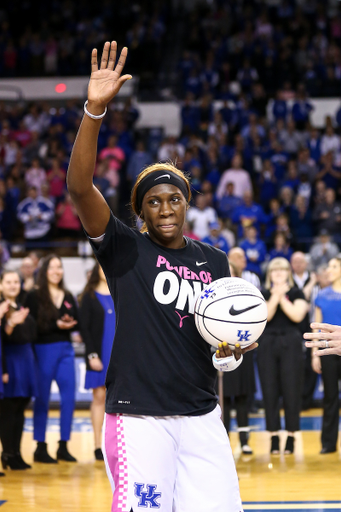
x=179 y=285
x=147 y=497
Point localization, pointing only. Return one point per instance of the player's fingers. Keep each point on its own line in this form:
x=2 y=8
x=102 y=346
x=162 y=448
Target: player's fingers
x=237 y=351
x=250 y=347
x=112 y=55
x=121 y=60
x=94 y=63
x=323 y=327
x=105 y=55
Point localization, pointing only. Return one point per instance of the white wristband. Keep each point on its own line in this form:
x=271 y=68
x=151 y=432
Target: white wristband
x=226 y=364
x=92 y=115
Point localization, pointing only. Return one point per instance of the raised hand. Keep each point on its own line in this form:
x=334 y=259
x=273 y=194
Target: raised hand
x=105 y=80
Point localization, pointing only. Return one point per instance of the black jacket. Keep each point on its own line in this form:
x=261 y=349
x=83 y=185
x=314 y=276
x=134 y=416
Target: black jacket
x=91 y=324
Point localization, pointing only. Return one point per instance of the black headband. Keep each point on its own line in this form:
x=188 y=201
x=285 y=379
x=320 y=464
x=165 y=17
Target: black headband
x=156 y=178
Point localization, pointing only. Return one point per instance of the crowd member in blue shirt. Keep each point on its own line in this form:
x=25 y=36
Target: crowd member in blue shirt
x=301 y=109
x=279 y=107
x=36 y=213
x=228 y=203
x=281 y=248
x=215 y=238
x=139 y=159
x=328 y=310
x=248 y=213
x=255 y=250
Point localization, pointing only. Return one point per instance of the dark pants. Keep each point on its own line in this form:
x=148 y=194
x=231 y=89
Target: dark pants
x=310 y=380
x=280 y=365
x=331 y=373
x=241 y=405
x=12 y=420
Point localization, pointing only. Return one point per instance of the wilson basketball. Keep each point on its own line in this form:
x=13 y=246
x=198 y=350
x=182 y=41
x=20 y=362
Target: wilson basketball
x=230 y=309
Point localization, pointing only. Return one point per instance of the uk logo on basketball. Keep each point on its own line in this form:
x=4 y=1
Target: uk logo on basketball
x=147 y=497
x=243 y=337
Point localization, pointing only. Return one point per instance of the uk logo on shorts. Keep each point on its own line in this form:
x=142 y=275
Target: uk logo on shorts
x=243 y=337
x=147 y=497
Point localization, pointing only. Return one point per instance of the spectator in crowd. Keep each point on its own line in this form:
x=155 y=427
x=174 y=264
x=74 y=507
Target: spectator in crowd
x=268 y=183
x=228 y=202
x=327 y=214
x=330 y=142
x=280 y=353
x=97 y=327
x=301 y=222
x=255 y=250
x=215 y=238
x=55 y=311
x=236 y=175
x=237 y=257
x=139 y=159
x=291 y=139
x=248 y=214
x=27 y=278
x=67 y=221
x=35 y=175
x=328 y=306
x=36 y=214
x=323 y=250
x=329 y=173
x=18 y=333
x=56 y=177
x=201 y=216
x=306 y=164
x=281 y=248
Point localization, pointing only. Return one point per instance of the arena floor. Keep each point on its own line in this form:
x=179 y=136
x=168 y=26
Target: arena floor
x=305 y=481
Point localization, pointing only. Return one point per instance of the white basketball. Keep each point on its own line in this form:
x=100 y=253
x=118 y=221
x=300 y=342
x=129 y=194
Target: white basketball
x=230 y=309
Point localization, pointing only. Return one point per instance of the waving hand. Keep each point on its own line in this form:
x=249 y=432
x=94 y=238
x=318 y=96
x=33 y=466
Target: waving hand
x=106 y=80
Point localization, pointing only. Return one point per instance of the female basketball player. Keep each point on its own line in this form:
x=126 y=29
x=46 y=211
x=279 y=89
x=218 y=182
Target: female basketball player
x=165 y=445
x=328 y=309
x=18 y=332
x=280 y=353
x=55 y=311
x=97 y=327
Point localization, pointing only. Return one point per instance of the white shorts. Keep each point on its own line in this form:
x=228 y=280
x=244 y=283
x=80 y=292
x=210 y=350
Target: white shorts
x=173 y=463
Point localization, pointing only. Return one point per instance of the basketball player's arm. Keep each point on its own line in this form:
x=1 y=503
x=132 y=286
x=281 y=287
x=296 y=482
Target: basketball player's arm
x=105 y=83
x=328 y=332
x=227 y=360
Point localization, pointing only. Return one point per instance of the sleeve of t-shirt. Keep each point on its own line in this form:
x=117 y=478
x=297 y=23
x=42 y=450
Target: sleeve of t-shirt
x=118 y=250
x=295 y=293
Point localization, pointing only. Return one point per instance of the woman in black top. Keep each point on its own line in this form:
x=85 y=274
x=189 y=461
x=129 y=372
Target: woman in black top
x=18 y=332
x=55 y=312
x=280 y=353
x=165 y=445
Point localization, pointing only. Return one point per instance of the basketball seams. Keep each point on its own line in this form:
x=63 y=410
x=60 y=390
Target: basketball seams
x=202 y=315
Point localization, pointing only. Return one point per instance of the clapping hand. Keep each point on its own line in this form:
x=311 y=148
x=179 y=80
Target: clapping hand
x=19 y=317
x=106 y=80
x=66 y=322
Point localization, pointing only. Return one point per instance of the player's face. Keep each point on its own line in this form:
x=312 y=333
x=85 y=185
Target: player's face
x=164 y=212
x=10 y=286
x=55 y=271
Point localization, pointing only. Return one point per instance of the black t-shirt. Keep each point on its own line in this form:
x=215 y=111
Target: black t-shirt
x=280 y=321
x=52 y=333
x=160 y=365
